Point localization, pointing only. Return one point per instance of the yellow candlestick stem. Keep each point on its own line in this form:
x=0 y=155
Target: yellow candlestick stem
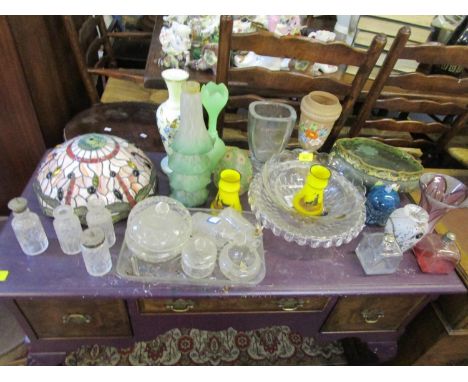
x=309 y=200
x=228 y=194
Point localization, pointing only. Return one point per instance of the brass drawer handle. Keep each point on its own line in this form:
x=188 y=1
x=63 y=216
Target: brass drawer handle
x=290 y=304
x=76 y=318
x=180 y=305
x=372 y=316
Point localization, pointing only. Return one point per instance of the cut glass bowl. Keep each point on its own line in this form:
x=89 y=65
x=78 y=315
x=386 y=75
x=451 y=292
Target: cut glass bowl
x=270 y=197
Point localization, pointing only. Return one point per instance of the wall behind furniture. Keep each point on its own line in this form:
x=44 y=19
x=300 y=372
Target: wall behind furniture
x=40 y=91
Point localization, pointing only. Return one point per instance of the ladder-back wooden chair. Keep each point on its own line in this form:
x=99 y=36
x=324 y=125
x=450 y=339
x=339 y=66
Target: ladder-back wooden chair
x=260 y=83
x=432 y=95
x=92 y=48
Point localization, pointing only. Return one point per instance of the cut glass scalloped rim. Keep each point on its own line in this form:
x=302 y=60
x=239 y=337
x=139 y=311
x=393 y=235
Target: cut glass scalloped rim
x=285 y=222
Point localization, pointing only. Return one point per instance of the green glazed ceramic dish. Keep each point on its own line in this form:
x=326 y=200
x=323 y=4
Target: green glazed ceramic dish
x=374 y=161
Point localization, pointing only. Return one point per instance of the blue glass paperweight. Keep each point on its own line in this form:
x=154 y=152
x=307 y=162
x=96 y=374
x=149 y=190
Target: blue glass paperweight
x=381 y=201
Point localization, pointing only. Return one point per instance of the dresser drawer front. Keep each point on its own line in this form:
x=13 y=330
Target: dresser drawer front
x=370 y=313
x=68 y=318
x=232 y=304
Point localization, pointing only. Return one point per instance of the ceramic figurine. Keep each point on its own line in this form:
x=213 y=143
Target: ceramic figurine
x=236 y=159
x=408 y=224
x=309 y=200
x=214 y=97
x=189 y=160
x=437 y=254
x=168 y=113
x=228 y=193
x=175 y=45
x=381 y=201
x=95 y=165
x=319 y=111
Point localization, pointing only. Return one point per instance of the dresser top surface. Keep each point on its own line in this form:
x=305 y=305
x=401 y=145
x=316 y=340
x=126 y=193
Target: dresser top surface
x=291 y=270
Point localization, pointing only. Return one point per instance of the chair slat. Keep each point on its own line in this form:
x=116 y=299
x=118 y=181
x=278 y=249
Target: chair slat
x=419 y=143
x=433 y=83
x=435 y=53
x=409 y=126
x=419 y=106
x=268 y=44
x=302 y=83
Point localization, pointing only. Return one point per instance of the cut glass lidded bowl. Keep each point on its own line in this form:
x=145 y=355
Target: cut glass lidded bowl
x=158 y=228
x=272 y=191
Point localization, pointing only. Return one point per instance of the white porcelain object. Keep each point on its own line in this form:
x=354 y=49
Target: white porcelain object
x=408 y=224
x=168 y=113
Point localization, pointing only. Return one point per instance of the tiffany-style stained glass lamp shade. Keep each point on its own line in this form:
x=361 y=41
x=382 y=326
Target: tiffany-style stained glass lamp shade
x=95 y=166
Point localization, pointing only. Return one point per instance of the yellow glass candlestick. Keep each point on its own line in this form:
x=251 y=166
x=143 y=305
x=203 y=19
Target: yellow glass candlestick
x=228 y=193
x=309 y=200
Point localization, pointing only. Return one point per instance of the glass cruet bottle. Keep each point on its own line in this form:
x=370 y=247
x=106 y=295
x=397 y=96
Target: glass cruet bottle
x=68 y=229
x=437 y=254
x=27 y=227
x=99 y=216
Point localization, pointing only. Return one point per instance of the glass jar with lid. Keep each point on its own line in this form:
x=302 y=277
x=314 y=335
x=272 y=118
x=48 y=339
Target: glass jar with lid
x=158 y=228
x=68 y=229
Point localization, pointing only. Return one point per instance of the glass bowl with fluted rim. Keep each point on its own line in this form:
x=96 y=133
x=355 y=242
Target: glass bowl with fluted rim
x=271 y=194
x=285 y=174
x=157 y=229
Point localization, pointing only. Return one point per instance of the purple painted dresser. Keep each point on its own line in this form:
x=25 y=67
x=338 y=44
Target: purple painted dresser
x=319 y=292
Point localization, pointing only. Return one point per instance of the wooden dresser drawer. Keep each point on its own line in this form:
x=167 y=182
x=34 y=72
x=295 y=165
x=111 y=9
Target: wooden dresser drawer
x=370 y=313
x=232 y=304
x=55 y=318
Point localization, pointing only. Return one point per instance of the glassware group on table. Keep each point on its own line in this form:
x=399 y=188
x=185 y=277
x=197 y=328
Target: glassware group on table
x=310 y=198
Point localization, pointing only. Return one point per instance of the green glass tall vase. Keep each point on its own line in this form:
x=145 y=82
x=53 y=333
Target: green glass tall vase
x=214 y=98
x=189 y=160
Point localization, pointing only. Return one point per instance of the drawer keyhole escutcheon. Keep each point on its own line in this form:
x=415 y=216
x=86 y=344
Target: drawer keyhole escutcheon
x=180 y=305
x=76 y=318
x=372 y=316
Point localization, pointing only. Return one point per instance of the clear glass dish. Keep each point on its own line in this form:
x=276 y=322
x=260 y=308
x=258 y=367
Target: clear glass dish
x=157 y=229
x=271 y=194
x=132 y=267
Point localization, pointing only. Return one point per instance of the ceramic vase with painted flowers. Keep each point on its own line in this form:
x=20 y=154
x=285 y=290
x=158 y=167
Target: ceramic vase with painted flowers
x=319 y=112
x=168 y=113
x=440 y=194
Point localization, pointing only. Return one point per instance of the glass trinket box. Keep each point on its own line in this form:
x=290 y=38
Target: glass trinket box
x=157 y=229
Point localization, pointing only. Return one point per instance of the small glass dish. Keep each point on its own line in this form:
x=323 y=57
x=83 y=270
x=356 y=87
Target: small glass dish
x=239 y=261
x=157 y=229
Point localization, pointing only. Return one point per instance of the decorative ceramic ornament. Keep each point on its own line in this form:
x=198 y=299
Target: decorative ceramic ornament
x=168 y=113
x=319 y=111
x=95 y=165
x=237 y=159
x=408 y=224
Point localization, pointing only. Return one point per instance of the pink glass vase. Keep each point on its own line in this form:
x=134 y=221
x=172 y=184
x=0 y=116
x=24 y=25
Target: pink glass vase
x=439 y=194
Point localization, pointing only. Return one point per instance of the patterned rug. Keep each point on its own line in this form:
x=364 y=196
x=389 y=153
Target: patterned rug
x=276 y=345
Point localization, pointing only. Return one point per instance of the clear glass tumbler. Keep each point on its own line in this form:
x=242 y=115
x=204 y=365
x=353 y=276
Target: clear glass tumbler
x=95 y=251
x=269 y=127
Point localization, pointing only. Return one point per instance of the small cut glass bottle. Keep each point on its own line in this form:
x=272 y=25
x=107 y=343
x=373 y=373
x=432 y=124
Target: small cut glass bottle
x=437 y=254
x=99 y=216
x=68 y=229
x=28 y=228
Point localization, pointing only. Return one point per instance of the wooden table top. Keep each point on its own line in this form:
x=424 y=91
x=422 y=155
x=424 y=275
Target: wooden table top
x=291 y=270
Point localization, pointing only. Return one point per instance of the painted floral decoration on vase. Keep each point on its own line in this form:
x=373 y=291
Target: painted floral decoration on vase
x=94 y=165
